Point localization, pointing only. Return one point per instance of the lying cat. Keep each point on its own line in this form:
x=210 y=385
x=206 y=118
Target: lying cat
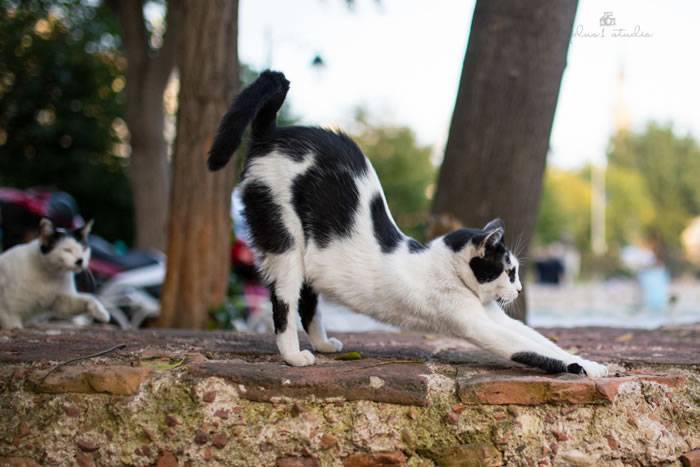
x=320 y=225
x=38 y=276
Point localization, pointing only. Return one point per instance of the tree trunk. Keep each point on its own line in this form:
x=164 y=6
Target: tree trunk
x=499 y=135
x=149 y=170
x=199 y=222
x=147 y=75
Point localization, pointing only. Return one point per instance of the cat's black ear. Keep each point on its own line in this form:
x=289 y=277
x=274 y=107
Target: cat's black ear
x=495 y=232
x=495 y=224
x=85 y=230
x=46 y=235
x=45 y=229
x=493 y=237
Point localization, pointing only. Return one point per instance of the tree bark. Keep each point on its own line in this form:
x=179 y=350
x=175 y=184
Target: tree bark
x=147 y=75
x=499 y=135
x=199 y=227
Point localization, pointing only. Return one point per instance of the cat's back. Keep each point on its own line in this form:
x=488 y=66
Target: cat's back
x=331 y=150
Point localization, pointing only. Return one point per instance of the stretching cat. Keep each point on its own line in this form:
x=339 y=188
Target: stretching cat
x=320 y=225
x=38 y=277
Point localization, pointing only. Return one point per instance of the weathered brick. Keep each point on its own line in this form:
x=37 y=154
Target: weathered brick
x=535 y=390
x=167 y=459
x=297 y=462
x=691 y=458
x=527 y=390
x=18 y=462
x=263 y=381
x=393 y=458
x=120 y=380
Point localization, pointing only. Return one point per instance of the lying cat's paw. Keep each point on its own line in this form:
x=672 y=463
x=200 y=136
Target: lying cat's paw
x=98 y=311
x=589 y=368
x=303 y=358
x=329 y=346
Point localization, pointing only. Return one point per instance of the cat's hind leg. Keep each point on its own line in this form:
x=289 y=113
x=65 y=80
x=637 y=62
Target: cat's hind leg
x=312 y=321
x=285 y=274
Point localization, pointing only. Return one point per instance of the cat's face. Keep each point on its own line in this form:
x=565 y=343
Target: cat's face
x=65 y=250
x=487 y=266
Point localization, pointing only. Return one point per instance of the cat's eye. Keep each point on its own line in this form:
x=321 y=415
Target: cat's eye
x=511 y=274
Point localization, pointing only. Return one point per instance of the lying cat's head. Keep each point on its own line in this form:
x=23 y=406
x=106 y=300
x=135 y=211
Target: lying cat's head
x=484 y=263
x=62 y=249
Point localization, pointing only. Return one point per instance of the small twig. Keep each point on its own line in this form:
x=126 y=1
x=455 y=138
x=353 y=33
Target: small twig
x=97 y=354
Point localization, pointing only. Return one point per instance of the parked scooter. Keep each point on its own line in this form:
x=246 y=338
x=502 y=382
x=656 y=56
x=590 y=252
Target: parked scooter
x=128 y=285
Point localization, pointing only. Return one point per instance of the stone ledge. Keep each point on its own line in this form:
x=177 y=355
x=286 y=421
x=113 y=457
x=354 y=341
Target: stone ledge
x=197 y=398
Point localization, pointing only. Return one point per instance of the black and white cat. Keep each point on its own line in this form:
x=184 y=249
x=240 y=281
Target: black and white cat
x=320 y=225
x=37 y=277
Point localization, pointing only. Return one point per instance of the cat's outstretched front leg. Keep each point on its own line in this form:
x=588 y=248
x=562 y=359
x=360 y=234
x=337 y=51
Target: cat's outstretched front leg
x=9 y=321
x=591 y=368
x=473 y=323
x=70 y=305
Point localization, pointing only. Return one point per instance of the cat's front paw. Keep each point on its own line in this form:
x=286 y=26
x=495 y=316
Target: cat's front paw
x=588 y=367
x=303 y=358
x=329 y=346
x=98 y=311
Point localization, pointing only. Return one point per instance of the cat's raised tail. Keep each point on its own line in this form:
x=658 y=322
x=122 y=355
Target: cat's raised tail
x=258 y=103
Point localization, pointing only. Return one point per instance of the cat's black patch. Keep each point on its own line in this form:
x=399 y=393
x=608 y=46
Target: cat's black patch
x=576 y=369
x=326 y=202
x=50 y=242
x=533 y=359
x=414 y=246
x=264 y=217
x=308 y=300
x=511 y=274
x=325 y=197
x=459 y=238
x=280 y=310
x=485 y=269
x=385 y=231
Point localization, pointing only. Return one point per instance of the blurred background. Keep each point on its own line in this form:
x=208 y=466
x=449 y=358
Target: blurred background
x=576 y=122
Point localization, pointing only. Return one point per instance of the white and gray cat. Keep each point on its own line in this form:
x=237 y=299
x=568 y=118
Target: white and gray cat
x=37 y=277
x=320 y=225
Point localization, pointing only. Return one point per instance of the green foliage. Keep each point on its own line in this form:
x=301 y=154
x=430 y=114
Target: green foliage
x=669 y=170
x=405 y=170
x=652 y=194
x=60 y=95
x=565 y=208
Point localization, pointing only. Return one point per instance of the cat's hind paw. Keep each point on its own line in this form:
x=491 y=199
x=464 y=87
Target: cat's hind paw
x=329 y=346
x=98 y=311
x=303 y=358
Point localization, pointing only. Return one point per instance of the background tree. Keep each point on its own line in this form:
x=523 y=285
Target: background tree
x=60 y=103
x=499 y=135
x=199 y=224
x=150 y=56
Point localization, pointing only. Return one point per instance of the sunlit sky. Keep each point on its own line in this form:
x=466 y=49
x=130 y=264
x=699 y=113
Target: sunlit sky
x=401 y=60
